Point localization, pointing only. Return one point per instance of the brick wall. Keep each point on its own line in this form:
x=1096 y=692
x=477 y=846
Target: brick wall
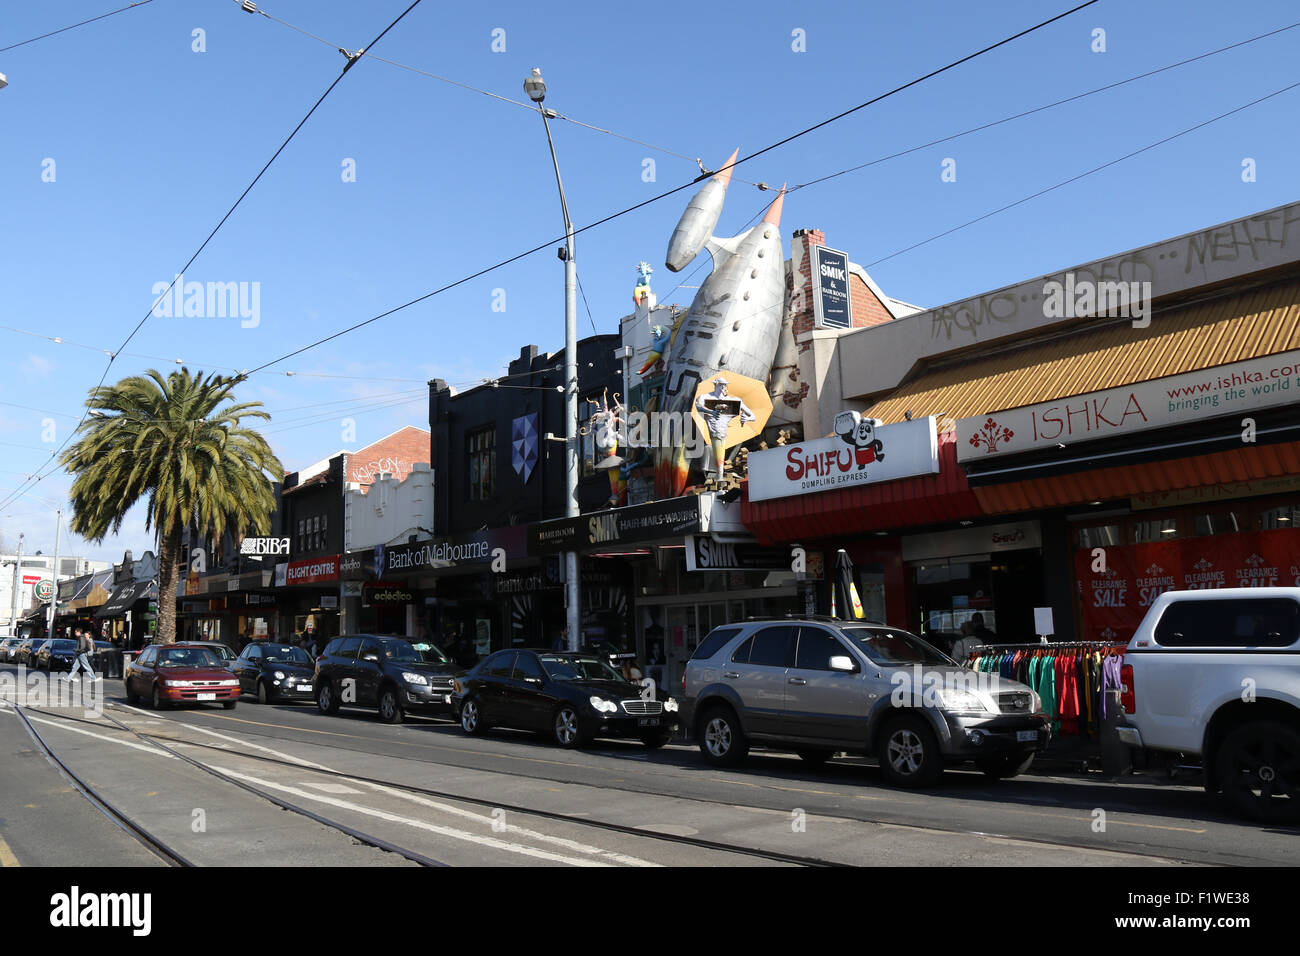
x=394 y=454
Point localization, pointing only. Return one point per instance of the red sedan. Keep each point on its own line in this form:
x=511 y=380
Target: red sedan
x=169 y=674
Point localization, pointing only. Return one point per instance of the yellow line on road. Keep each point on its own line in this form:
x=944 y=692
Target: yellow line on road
x=7 y=857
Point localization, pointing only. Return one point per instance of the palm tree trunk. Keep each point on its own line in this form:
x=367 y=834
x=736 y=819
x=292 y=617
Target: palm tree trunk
x=168 y=547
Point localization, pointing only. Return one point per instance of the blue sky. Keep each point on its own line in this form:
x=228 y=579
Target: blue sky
x=151 y=142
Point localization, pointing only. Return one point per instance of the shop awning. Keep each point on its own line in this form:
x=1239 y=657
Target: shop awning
x=1243 y=463
x=89 y=591
x=889 y=505
x=124 y=598
x=1106 y=354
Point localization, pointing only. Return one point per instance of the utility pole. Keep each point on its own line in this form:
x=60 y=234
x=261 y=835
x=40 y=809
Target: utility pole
x=18 y=570
x=54 y=598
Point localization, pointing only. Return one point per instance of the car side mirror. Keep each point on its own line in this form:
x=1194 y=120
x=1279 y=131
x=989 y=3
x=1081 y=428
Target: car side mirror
x=533 y=680
x=370 y=657
x=841 y=662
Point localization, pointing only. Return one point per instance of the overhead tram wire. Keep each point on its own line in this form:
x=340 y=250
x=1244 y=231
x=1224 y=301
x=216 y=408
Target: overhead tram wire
x=670 y=192
x=102 y=16
x=352 y=60
x=1076 y=178
x=1040 y=109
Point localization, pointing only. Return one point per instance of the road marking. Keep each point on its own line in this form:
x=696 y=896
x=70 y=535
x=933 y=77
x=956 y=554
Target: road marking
x=248 y=743
x=329 y=787
x=409 y=821
x=91 y=733
x=7 y=857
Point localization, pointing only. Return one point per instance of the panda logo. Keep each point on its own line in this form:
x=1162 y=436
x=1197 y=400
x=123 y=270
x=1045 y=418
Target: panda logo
x=861 y=434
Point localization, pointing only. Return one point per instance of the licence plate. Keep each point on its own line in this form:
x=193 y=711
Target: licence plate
x=1027 y=736
x=305 y=688
x=647 y=722
x=207 y=696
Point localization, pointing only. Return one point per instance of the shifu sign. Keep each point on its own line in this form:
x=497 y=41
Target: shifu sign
x=264 y=546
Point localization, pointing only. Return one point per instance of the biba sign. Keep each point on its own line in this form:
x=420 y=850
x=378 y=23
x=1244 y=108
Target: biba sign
x=264 y=546
x=862 y=452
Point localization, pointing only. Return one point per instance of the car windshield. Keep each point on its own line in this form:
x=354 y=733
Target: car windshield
x=62 y=645
x=404 y=652
x=188 y=657
x=286 y=654
x=890 y=647
x=578 y=668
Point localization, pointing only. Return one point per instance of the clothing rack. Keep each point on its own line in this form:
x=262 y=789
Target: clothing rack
x=990 y=647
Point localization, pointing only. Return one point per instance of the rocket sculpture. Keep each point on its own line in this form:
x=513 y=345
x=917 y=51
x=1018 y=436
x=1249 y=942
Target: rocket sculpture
x=733 y=323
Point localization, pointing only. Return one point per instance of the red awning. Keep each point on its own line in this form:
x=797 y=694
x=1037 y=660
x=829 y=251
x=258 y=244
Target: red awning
x=1247 y=463
x=890 y=505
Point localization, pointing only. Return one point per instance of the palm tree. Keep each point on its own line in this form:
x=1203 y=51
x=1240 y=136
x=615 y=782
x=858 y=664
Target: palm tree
x=168 y=438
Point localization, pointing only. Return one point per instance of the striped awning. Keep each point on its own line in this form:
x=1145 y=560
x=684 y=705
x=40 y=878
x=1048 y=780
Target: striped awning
x=1228 y=328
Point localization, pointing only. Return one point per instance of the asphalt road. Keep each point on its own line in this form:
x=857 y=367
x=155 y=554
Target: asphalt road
x=479 y=792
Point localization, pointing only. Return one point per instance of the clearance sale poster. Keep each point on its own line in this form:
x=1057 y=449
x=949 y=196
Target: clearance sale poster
x=1114 y=600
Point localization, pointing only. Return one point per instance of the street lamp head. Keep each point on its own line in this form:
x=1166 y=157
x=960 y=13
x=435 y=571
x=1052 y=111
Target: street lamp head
x=535 y=86
x=3 y=81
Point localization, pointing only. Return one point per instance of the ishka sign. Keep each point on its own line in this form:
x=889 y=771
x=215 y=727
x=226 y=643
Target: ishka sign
x=1174 y=400
x=860 y=453
x=1114 y=600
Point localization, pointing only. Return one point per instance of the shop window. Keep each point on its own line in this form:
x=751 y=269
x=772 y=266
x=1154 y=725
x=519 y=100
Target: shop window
x=1207 y=524
x=1159 y=529
x=1101 y=536
x=482 y=456
x=1287 y=516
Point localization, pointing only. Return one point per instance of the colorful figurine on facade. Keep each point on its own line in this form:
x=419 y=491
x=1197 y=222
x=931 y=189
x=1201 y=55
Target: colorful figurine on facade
x=608 y=428
x=719 y=410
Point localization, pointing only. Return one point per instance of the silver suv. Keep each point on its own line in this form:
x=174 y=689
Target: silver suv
x=818 y=686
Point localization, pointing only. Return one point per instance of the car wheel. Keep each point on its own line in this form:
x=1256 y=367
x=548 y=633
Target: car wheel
x=721 y=740
x=909 y=753
x=131 y=696
x=157 y=701
x=567 y=731
x=1005 y=766
x=229 y=704
x=326 y=700
x=816 y=757
x=657 y=740
x=262 y=696
x=1258 y=768
x=471 y=720
x=390 y=707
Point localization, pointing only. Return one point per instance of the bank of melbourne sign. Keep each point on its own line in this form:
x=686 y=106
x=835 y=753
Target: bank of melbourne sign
x=831 y=305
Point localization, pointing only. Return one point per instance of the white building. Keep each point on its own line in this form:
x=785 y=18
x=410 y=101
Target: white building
x=34 y=569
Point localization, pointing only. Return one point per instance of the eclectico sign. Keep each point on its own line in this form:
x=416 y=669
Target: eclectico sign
x=1158 y=403
x=314 y=571
x=277 y=546
x=385 y=595
x=862 y=452
x=831 y=302
x=652 y=521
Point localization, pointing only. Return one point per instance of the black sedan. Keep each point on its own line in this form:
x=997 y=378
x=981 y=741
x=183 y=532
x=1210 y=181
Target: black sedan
x=275 y=672
x=56 y=655
x=572 y=697
x=27 y=649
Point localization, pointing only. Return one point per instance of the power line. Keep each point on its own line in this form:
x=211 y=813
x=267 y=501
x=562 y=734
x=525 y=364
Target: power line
x=1048 y=106
x=112 y=357
x=1074 y=179
x=664 y=195
x=102 y=16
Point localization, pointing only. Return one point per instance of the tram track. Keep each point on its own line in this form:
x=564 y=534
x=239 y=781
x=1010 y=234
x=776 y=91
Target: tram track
x=1128 y=847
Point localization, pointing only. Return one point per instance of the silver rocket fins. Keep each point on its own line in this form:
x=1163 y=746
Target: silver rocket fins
x=695 y=228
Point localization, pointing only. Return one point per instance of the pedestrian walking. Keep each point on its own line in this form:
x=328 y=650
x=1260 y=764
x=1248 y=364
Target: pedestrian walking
x=85 y=647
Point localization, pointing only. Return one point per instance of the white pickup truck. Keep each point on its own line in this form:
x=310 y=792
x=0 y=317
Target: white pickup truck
x=1215 y=675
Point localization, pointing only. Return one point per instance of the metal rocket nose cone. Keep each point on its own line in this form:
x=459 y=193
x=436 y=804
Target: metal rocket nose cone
x=773 y=216
x=723 y=175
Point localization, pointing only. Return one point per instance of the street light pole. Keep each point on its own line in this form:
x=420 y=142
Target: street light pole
x=535 y=86
x=18 y=570
x=54 y=598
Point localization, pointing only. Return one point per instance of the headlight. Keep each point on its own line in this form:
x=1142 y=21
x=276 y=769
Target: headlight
x=414 y=678
x=279 y=675
x=1037 y=701
x=603 y=705
x=228 y=683
x=670 y=705
x=963 y=701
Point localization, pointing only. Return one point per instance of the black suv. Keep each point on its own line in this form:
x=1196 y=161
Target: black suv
x=392 y=674
x=821 y=686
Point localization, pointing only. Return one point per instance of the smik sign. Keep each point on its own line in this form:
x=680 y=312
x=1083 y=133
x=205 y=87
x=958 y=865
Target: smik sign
x=862 y=452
